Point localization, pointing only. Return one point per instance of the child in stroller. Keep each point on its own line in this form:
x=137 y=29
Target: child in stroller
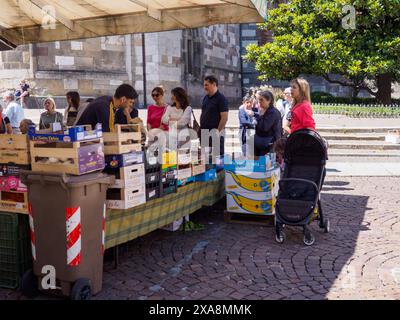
x=298 y=199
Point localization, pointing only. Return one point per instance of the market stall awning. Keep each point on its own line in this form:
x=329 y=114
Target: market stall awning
x=28 y=21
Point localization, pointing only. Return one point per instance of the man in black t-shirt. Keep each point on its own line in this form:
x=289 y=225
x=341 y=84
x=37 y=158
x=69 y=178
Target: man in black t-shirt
x=102 y=110
x=214 y=111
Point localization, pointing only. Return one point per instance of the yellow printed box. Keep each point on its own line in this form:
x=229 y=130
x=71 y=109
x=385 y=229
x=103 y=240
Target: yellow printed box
x=243 y=203
x=169 y=159
x=253 y=181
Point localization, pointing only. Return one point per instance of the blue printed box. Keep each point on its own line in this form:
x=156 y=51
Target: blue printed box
x=124 y=160
x=72 y=134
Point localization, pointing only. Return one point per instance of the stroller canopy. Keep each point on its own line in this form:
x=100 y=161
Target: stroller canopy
x=305 y=146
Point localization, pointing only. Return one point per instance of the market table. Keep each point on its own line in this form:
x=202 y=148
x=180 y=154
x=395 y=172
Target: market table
x=125 y=225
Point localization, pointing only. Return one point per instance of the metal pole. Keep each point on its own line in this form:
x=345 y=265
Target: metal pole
x=144 y=70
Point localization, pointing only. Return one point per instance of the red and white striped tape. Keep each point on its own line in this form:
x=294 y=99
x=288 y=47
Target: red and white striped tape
x=32 y=231
x=74 y=245
x=104 y=229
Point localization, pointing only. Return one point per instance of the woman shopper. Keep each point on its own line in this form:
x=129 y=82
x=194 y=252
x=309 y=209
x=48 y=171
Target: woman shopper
x=301 y=112
x=156 y=110
x=246 y=120
x=178 y=116
x=269 y=124
x=71 y=112
x=50 y=115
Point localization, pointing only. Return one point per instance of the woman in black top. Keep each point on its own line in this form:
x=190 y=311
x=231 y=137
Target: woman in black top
x=269 y=124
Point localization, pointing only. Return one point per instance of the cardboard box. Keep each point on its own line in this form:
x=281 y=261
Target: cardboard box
x=77 y=133
x=263 y=164
x=206 y=176
x=264 y=182
x=12 y=183
x=248 y=204
x=12 y=169
x=198 y=169
x=184 y=157
x=129 y=177
x=184 y=173
x=124 y=160
x=126 y=198
x=169 y=159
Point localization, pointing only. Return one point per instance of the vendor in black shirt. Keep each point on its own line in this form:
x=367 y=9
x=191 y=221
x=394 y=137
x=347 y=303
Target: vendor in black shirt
x=102 y=110
x=269 y=124
x=214 y=111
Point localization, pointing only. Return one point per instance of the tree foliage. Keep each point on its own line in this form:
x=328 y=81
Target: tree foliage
x=309 y=38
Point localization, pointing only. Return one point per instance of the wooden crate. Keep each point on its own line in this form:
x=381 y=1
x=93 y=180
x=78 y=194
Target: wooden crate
x=127 y=138
x=14 y=201
x=74 y=158
x=14 y=148
x=264 y=220
x=129 y=177
x=126 y=198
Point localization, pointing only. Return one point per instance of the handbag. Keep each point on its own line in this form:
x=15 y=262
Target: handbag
x=196 y=126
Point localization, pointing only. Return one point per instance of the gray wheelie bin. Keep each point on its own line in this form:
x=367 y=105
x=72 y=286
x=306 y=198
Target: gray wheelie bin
x=67 y=221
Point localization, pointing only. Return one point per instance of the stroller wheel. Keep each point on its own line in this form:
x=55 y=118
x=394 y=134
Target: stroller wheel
x=327 y=226
x=281 y=237
x=309 y=239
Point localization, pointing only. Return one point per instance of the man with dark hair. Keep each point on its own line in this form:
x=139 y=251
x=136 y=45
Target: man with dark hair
x=102 y=110
x=214 y=111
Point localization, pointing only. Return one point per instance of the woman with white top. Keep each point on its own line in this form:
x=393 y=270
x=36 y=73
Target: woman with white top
x=179 y=115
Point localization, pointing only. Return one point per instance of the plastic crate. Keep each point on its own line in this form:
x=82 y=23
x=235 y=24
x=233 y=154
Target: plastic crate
x=15 y=248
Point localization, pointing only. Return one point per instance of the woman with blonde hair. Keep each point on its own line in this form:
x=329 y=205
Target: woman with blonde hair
x=301 y=113
x=50 y=115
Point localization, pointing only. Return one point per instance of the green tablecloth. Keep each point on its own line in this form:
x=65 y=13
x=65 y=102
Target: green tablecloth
x=125 y=225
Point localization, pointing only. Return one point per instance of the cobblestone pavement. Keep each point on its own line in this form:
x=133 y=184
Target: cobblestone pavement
x=359 y=259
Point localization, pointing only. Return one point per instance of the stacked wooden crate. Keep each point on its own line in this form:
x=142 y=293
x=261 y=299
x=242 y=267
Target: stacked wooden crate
x=124 y=146
x=14 y=157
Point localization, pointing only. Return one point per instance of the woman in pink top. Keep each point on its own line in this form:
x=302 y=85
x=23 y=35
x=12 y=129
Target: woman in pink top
x=301 y=113
x=157 y=110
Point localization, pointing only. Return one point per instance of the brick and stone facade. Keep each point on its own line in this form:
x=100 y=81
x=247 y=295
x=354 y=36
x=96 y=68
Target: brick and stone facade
x=97 y=66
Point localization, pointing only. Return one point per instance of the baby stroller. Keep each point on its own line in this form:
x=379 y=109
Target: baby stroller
x=298 y=199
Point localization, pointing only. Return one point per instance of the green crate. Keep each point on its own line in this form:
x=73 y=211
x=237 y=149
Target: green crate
x=15 y=248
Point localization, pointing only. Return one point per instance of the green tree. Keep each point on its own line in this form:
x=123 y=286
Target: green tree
x=313 y=37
